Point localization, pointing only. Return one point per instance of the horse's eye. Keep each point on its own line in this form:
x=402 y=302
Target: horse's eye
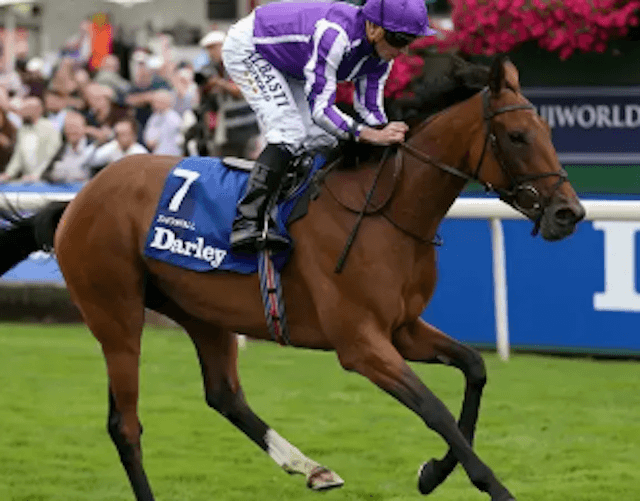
x=518 y=138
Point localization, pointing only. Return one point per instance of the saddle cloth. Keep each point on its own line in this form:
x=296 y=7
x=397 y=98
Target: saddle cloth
x=192 y=223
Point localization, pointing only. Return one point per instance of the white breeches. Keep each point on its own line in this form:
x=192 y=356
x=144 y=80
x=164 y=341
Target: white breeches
x=278 y=101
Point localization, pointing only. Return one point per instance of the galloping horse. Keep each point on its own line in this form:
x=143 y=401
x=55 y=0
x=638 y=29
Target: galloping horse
x=369 y=314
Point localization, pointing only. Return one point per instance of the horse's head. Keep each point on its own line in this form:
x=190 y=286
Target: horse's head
x=515 y=157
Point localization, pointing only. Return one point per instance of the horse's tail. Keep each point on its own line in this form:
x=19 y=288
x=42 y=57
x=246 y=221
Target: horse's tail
x=21 y=235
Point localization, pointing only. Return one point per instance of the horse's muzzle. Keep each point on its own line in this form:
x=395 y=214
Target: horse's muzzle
x=560 y=219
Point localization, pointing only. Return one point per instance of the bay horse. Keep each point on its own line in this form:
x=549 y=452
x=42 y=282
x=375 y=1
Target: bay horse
x=369 y=313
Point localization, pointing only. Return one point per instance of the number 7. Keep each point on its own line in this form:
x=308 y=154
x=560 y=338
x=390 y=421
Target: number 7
x=189 y=177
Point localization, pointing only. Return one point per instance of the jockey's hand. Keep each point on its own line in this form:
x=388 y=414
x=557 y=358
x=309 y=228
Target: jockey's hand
x=394 y=132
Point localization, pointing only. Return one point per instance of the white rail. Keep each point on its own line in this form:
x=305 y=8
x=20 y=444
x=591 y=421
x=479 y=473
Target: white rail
x=597 y=210
x=464 y=208
x=495 y=210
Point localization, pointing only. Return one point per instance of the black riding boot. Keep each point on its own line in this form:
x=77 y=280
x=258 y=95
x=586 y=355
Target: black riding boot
x=259 y=198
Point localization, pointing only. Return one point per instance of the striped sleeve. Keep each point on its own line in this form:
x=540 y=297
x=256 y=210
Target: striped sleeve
x=369 y=95
x=330 y=44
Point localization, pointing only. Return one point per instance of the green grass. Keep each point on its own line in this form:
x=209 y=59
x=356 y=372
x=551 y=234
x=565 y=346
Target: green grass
x=553 y=429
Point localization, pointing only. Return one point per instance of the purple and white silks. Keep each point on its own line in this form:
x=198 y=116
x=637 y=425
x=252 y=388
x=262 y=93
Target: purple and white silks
x=319 y=44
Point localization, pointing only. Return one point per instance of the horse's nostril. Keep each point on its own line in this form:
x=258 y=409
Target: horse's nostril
x=567 y=215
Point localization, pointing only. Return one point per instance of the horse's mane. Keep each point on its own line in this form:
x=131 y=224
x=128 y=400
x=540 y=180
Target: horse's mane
x=446 y=79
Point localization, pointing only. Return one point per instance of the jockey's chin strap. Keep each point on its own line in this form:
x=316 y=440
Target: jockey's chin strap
x=521 y=194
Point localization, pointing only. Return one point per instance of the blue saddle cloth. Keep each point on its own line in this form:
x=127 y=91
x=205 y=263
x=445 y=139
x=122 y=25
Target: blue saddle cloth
x=197 y=207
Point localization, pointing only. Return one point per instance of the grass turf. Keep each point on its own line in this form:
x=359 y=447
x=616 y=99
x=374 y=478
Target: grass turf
x=552 y=429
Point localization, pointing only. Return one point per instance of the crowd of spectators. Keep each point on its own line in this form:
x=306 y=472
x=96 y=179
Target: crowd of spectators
x=65 y=123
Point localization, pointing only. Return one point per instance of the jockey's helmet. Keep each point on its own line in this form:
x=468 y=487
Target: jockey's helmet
x=403 y=20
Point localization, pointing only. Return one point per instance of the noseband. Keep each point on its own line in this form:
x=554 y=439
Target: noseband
x=521 y=194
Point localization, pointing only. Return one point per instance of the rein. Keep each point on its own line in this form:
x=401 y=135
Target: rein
x=520 y=187
x=345 y=252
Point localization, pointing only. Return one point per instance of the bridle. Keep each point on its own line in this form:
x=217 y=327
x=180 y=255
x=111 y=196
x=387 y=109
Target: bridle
x=520 y=194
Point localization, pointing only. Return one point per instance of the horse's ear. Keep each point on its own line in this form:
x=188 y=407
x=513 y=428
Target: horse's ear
x=497 y=78
x=512 y=76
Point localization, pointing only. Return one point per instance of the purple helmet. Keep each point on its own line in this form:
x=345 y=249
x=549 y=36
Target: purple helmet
x=401 y=16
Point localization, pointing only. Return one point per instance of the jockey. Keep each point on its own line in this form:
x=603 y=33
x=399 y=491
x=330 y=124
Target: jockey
x=287 y=59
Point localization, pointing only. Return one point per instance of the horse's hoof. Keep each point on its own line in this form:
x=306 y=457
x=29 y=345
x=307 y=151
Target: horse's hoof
x=323 y=479
x=428 y=477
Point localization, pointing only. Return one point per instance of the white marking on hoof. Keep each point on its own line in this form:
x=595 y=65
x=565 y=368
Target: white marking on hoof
x=322 y=479
x=319 y=478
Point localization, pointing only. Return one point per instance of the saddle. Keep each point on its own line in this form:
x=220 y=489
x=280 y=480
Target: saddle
x=298 y=170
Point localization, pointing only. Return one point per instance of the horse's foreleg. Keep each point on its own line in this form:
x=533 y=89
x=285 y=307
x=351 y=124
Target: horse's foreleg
x=422 y=342
x=376 y=358
x=218 y=353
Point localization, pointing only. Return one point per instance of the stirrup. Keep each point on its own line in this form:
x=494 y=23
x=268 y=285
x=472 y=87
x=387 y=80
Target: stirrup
x=251 y=240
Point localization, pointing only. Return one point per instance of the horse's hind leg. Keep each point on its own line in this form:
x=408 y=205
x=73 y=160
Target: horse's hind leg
x=424 y=343
x=117 y=324
x=111 y=302
x=218 y=353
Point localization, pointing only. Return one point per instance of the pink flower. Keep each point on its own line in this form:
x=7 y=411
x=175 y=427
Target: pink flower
x=565 y=52
x=484 y=26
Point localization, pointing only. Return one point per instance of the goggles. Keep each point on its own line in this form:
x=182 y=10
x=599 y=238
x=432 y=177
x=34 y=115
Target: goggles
x=398 y=39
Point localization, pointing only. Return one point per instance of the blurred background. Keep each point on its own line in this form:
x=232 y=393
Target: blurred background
x=83 y=83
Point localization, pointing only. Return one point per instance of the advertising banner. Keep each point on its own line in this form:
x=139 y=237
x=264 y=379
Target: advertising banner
x=576 y=295
x=591 y=125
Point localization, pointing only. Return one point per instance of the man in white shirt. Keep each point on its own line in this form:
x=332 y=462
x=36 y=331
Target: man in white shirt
x=162 y=131
x=73 y=164
x=126 y=132
x=56 y=108
x=37 y=143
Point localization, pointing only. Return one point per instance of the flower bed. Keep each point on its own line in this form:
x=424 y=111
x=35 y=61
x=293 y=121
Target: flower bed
x=564 y=26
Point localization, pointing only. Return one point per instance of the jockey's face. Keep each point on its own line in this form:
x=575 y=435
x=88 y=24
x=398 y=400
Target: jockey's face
x=375 y=36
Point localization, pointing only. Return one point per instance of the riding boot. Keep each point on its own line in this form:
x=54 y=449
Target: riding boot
x=257 y=202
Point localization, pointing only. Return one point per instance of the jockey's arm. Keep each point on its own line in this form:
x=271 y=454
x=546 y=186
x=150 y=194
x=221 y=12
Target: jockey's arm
x=330 y=45
x=321 y=85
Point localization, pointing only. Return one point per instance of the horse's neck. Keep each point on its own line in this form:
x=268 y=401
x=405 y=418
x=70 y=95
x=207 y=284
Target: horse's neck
x=425 y=192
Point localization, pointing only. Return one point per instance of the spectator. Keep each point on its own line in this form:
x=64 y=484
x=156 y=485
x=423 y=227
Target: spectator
x=125 y=144
x=11 y=108
x=78 y=47
x=103 y=112
x=63 y=80
x=77 y=99
x=109 y=76
x=101 y=40
x=72 y=164
x=11 y=81
x=7 y=139
x=223 y=107
x=36 y=144
x=146 y=80
x=186 y=91
x=8 y=130
x=162 y=132
x=33 y=77
x=55 y=105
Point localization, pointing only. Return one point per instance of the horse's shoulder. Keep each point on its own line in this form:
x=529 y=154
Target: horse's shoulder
x=350 y=178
